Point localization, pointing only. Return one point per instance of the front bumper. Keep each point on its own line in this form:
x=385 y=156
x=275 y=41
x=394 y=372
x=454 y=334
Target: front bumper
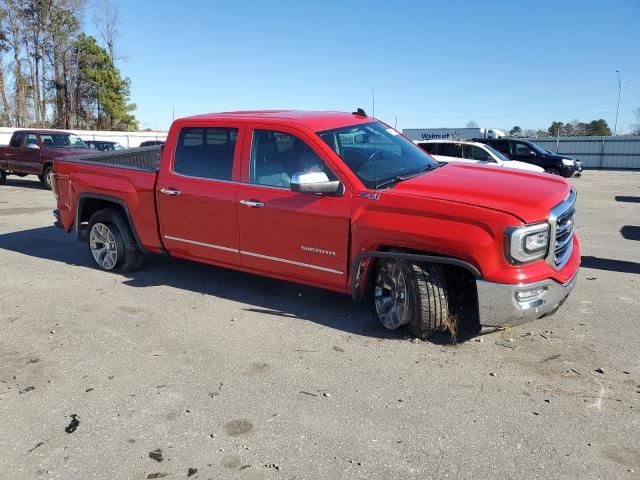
x=569 y=171
x=502 y=304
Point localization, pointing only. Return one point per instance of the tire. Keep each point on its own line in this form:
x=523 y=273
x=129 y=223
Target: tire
x=45 y=178
x=3 y=177
x=111 y=242
x=426 y=299
x=552 y=171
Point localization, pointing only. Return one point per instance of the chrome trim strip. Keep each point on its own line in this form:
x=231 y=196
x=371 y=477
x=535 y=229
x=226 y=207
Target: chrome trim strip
x=292 y=262
x=202 y=244
x=257 y=255
x=557 y=212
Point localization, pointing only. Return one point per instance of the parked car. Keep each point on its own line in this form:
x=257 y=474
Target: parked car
x=151 y=143
x=31 y=152
x=529 y=152
x=338 y=201
x=471 y=152
x=103 y=145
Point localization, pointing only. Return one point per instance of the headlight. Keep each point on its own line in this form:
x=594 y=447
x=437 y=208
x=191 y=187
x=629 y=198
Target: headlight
x=567 y=162
x=526 y=244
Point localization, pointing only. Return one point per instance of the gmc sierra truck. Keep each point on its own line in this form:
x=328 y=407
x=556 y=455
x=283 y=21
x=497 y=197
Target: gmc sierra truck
x=338 y=201
x=31 y=152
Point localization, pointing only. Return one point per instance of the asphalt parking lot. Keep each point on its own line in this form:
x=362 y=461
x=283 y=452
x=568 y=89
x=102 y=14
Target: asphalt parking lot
x=182 y=370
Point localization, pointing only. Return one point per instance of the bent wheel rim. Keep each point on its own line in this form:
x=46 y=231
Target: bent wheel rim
x=103 y=246
x=391 y=295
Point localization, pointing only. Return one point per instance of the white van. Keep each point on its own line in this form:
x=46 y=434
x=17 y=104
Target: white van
x=471 y=152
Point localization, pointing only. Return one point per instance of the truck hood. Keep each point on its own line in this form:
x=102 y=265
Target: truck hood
x=555 y=156
x=526 y=195
x=67 y=152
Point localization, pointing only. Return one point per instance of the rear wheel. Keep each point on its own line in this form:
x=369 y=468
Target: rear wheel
x=3 y=177
x=411 y=294
x=47 y=177
x=111 y=242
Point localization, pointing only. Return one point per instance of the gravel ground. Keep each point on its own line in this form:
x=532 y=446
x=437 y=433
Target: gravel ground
x=189 y=371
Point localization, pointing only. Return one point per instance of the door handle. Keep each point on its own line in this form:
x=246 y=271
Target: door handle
x=170 y=191
x=252 y=203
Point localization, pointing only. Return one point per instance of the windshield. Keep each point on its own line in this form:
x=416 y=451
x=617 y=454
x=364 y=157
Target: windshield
x=497 y=154
x=62 y=140
x=377 y=154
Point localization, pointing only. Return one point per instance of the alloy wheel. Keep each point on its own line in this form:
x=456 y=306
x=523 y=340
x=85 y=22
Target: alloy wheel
x=103 y=246
x=391 y=295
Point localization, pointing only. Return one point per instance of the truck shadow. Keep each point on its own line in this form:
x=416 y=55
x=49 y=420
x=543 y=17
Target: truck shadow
x=260 y=294
x=630 y=232
x=622 y=266
x=30 y=181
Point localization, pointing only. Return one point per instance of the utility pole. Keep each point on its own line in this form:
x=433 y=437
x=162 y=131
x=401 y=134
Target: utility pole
x=620 y=85
x=373 y=102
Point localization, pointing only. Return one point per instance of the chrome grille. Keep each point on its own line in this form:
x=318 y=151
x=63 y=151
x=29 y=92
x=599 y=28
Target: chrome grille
x=563 y=226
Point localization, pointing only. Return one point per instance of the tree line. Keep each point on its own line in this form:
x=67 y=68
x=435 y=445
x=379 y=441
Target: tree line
x=52 y=74
x=571 y=129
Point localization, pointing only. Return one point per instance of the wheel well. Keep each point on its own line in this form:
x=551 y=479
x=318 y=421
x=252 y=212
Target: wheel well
x=87 y=206
x=463 y=293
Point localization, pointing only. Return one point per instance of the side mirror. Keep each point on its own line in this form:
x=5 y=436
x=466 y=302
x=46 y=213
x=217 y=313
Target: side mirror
x=532 y=153
x=314 y=182
x=33 y=146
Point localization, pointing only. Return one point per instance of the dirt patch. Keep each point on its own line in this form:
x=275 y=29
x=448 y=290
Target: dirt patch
x=238 y=427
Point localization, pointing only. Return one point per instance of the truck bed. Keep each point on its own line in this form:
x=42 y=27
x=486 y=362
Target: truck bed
x=126 y=177
x=141 y=158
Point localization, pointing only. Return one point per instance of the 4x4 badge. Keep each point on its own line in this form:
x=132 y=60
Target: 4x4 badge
x=370 y=196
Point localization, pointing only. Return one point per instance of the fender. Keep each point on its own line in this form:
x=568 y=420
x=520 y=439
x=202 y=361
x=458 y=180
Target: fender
x=87 y=196
x=356 y=271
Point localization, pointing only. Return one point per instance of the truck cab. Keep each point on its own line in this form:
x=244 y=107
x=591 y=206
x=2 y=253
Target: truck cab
x=31 y=152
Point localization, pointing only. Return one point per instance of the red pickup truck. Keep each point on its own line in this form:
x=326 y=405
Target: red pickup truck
x=338 y=201
x=31 y=152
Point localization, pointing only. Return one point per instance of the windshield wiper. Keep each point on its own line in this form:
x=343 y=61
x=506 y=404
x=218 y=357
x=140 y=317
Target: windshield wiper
x=399 y=178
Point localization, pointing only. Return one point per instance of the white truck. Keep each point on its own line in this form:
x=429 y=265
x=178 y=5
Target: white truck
x=451 y=133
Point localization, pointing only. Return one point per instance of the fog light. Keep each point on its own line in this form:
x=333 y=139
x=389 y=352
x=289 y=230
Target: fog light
x=532 y=294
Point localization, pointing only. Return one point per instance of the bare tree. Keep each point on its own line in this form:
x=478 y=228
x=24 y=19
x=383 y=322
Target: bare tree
x=14 y=36
x=106 y=19
x=636 y=127
x=5 y=113
x=472 y=124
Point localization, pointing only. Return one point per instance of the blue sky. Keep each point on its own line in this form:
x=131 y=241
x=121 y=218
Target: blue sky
x=431 y=64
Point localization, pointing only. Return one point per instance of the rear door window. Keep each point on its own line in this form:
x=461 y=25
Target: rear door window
x=16 y=140
x=450 y=150
x=502 y=147
x=431 y=148
x=206 y=152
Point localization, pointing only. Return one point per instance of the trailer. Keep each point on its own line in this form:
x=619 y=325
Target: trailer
x=452 y=133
